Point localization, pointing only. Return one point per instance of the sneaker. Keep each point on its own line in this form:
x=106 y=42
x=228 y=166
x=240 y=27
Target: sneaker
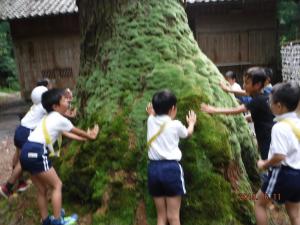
x=22 y=186
x=68 y=220
x=71 y=220
x=46 y=221
x=62 y=213
x=4 y=192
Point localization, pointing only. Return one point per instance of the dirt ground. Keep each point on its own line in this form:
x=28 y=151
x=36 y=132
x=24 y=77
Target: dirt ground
x=11 y=106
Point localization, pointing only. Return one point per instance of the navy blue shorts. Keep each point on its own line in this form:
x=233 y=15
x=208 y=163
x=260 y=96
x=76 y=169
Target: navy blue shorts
x=34 y=158
x=21 y=136
x=282 y=185
x=165 y=178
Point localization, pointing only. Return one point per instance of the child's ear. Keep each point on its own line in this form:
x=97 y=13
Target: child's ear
x=54 y=107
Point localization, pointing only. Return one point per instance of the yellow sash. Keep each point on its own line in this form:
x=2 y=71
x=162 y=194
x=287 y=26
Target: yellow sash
x=153 y=138
x=49 y=141
x=295 y=129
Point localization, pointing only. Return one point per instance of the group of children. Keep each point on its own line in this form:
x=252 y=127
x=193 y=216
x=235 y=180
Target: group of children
x=34 y=138
x=278 y=144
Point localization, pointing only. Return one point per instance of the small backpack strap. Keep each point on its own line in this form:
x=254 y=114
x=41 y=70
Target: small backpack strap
x=49 y=142
x=153 y=138
x=295 y=129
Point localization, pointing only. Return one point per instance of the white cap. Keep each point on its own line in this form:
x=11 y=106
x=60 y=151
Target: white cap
x=36 y=94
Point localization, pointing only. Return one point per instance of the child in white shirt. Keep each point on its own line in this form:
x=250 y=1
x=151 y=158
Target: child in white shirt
x=34 y=154
x=283 y=163
x=165 y=174
x=28 y=123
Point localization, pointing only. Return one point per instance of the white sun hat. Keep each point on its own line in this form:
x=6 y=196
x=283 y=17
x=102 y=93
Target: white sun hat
x=36 y=94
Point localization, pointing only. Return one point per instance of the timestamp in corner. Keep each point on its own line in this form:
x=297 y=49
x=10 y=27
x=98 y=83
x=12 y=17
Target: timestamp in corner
x=252 y=197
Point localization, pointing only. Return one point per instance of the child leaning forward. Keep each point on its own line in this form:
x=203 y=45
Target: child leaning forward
x=34 y=154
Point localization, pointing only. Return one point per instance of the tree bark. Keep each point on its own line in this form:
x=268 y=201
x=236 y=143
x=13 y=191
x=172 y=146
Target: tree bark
x=129 y=50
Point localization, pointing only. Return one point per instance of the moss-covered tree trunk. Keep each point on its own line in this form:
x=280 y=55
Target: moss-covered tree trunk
x=129 y=50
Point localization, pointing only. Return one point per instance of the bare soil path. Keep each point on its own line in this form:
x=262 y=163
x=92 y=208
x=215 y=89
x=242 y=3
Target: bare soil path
x=11 y=106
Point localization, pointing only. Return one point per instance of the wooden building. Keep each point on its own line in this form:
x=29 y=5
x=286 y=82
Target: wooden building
x=236 y=34
x=46 y=40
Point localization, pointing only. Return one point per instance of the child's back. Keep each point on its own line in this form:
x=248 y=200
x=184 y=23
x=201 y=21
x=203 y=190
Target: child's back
x=165 y=174
x=283 y=163
x=165 y=146
x=285 y=140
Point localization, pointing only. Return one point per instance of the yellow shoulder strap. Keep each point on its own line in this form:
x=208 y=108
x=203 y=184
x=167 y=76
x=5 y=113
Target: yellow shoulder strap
x=48 y=140
x=153 y=138
x=295 y=129
x=45 y=131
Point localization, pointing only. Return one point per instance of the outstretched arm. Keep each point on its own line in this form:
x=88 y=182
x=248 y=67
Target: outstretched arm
x=73 y=136
x=230 y=90
x=89 y=134
x=227 y=111
x=274 y=161
x=191 y=119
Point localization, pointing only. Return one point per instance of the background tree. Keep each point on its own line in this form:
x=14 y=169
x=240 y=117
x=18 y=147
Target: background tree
x=8 y=71
x=289 y=20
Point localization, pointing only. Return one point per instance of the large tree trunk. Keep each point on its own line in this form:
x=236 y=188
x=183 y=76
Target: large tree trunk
x=129 y=50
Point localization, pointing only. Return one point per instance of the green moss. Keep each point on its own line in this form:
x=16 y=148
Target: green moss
x=152 y=48
x=121 y=210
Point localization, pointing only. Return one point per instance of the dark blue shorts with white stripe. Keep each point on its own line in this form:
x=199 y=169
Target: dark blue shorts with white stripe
x=165 y=178
x=21 y=136
x=34 y=158
x=283 y=185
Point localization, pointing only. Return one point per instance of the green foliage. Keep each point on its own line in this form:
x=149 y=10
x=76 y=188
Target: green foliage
x=152 y=48
x=8 y=72
x=289 y=19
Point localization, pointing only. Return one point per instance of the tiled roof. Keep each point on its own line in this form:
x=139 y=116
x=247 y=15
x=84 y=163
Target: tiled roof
x=16 y=9
x=208 y=1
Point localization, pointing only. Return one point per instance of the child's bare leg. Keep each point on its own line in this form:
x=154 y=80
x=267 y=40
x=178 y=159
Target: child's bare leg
x=293 y=210
x=41 y=196
x=261 y=208
x=16 y=173
x=50 y=178
x=16 y=157
x=161 y=210
x=173 y=210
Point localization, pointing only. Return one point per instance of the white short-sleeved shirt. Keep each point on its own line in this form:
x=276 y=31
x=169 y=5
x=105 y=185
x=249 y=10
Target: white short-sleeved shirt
x=33 y=116
x=236 y=87
x=55 y=124
x=165 y=146
x=285 y=142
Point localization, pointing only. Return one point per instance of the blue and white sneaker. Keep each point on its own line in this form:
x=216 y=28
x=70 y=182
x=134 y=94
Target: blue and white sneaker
x=62 y=213
x=71 y=220
x=68 y=220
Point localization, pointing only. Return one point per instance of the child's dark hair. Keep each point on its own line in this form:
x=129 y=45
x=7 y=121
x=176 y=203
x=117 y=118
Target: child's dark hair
x=163 y=101
x=269 y=73
x=51 y=98
x=230 y=74
x=44 y=82
x=287 y=94
x=257 y=75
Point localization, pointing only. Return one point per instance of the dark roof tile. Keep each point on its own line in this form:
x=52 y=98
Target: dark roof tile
x=15 y=9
